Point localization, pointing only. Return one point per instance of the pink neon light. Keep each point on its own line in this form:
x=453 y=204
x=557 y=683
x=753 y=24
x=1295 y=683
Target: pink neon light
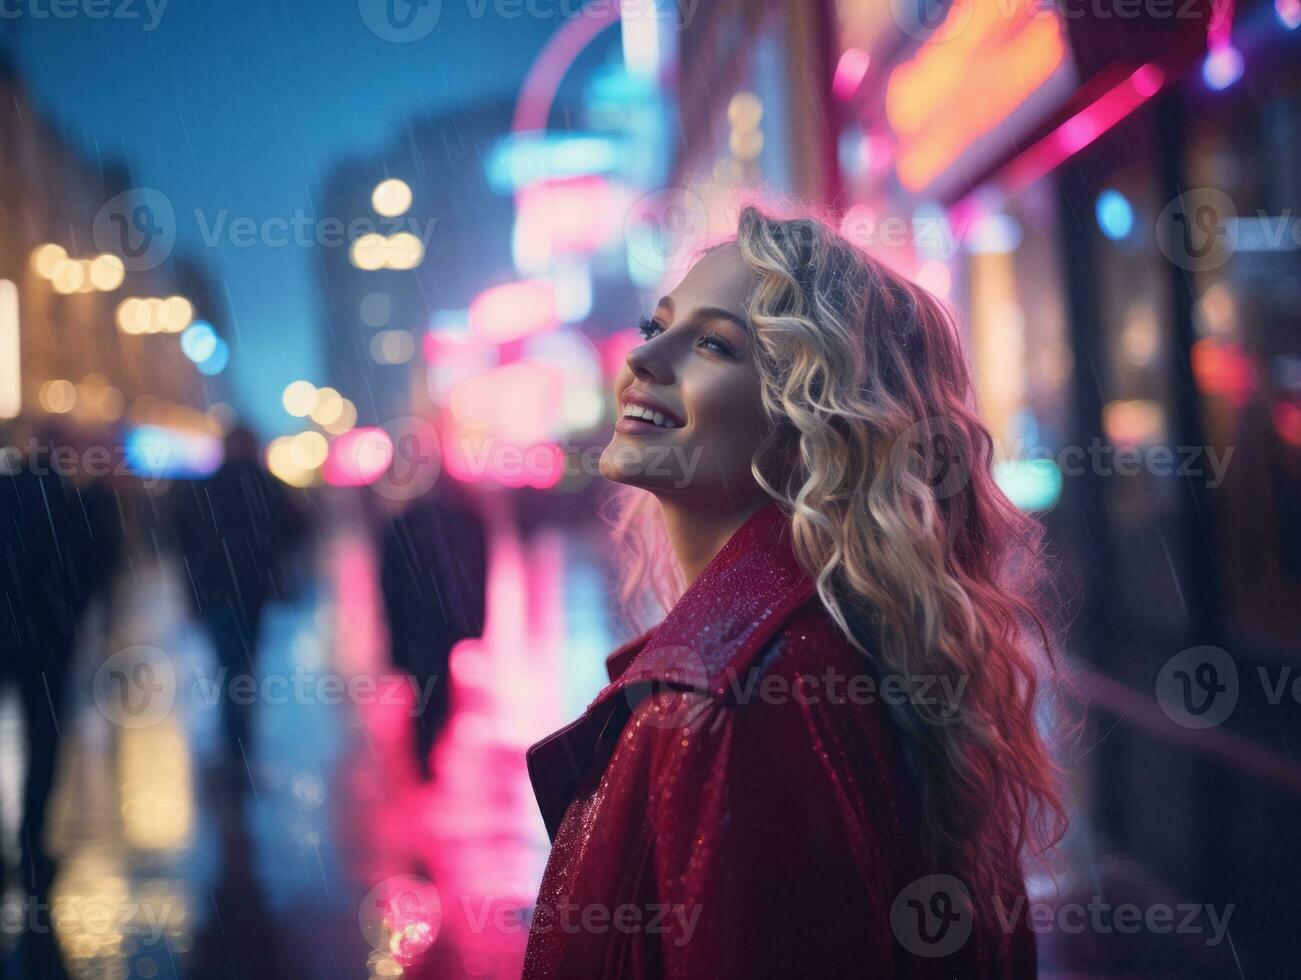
x=1220 y=29
x=543 y=79
x=1148 y=80
x=1083 y=128
x=358 y=458
x=484 y=459
x=850 y=72
x=574 y=216
x=519 y=403
x=514 y=310
x=453 y=356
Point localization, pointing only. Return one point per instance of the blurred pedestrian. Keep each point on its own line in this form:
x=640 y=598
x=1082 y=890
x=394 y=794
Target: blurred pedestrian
x=234 y=529
x=59 y=548
x=434 y=578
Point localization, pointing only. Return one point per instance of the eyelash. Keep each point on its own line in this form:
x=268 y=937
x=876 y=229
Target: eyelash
x=646 y=325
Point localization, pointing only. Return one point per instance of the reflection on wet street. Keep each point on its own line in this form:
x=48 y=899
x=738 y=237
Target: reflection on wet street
x=321 y=851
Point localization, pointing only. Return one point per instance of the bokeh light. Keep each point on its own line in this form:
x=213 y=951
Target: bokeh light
x=391 y=198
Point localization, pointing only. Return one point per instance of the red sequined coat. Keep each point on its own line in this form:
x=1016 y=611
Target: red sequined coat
x=713 y=815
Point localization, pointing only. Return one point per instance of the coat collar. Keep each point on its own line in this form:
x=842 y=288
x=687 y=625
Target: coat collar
x=713 y=634
x=719 y=625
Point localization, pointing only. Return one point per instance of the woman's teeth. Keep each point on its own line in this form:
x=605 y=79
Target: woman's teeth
x=646 y=415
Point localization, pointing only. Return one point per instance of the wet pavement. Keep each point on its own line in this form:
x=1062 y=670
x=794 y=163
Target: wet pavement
x=319 y=852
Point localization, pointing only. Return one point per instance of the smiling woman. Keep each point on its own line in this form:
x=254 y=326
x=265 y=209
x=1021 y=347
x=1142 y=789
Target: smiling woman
x=824 y=758
x=696 y=370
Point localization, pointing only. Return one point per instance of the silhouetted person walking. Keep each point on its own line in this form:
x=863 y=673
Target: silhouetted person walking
x=434 y=579
x=234 y=528
x=59 y=547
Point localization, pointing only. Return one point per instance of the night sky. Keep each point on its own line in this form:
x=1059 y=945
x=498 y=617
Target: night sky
x=245 y=107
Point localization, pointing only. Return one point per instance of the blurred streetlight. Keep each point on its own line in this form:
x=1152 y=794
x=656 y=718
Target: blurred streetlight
x=400 y=251
x=284 y=466
x=58 y=396
x=391 y=198
x=299 y=398
x=404 y=251
x=367 y=252
x=107 y=272
x=67 y=275
x=47 y=258
x=137 y=314
x=328 y=406
x=309 y=449
x=392 y=347
x=345 y=422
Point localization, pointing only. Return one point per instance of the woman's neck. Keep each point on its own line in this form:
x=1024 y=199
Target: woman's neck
x=698 y=532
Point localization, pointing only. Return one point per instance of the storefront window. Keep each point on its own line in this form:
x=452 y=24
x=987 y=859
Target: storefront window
x=1019 y=349
x=1137 y=456
x=1244 y=159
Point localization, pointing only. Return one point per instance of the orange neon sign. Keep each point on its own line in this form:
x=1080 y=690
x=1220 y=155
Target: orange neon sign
x=982 y=63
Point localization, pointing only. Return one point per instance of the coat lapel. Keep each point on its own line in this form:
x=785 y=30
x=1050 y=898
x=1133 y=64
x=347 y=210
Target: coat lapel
x=711 y=636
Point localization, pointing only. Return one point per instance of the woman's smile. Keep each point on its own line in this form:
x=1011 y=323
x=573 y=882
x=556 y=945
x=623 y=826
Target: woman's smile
x=643 y=414
x=634 y=425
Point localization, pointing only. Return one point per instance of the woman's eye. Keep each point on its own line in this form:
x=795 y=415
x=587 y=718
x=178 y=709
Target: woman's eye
x=650 y=328
x=717 y=342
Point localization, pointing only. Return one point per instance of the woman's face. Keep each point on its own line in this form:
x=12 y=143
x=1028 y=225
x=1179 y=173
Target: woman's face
x=697 y=368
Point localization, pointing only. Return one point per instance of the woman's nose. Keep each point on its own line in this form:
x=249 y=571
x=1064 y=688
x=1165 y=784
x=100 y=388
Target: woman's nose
x=651 y=361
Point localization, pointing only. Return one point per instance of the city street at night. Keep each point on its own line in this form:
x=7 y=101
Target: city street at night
x=624 y=489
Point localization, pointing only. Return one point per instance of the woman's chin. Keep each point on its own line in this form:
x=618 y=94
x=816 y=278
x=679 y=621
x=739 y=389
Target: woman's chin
x=616 y=464
x=625 y=461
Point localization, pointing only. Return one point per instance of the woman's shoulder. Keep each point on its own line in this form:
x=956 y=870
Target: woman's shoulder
x=809 y=696
x=811 y=650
